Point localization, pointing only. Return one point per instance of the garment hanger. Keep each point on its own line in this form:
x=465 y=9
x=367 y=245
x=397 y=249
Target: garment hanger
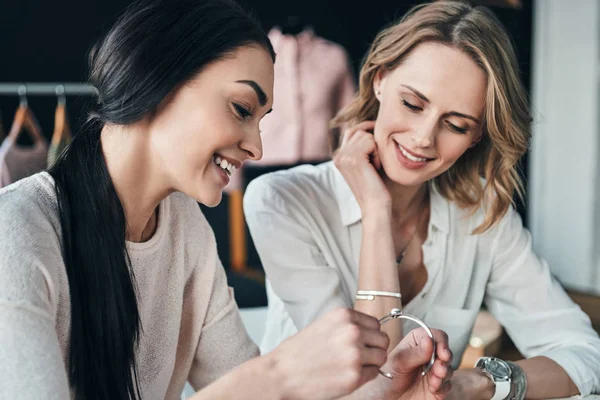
x=25 y=120
x=61 y=124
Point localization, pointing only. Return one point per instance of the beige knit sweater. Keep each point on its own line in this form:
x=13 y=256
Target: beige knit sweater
x=192 y=330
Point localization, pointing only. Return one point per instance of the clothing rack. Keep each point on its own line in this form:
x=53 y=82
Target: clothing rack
x=47 y=89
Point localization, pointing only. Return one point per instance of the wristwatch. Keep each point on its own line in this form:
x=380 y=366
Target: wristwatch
x=499 y=372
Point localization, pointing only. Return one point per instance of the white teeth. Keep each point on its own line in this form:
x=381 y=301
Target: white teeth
x=410 y=156
x=226 y=166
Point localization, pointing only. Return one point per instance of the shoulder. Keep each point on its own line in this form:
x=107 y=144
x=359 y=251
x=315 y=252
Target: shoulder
x=28 y=200
x=30 y=249
x=466 y=220
x=300 y=186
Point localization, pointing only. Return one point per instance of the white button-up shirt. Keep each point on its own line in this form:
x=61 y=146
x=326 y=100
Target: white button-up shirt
x=306 y=225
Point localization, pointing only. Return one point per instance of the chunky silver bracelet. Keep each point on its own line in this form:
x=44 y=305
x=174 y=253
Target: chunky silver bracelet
x=371 y=294
x=397 y=313
x=518 y=381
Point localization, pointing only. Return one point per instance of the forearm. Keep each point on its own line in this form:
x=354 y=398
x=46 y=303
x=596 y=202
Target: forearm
x=377 y=389
x=546 y=379
x=255 y=379
x=378 y=270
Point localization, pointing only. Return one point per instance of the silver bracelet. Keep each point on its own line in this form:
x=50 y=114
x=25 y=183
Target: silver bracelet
x=371 y=294
x=396 y=313
x=519 y=382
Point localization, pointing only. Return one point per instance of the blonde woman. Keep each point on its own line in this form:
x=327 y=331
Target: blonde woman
x=417 y=206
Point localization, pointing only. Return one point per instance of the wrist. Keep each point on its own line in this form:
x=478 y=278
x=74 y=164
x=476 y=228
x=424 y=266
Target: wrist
x=377 y=212
x=480 y=382
x=277 y=380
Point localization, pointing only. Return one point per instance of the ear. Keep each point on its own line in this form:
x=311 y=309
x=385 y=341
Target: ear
x=379 y=83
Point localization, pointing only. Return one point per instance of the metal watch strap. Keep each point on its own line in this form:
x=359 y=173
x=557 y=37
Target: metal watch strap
x=519 y=382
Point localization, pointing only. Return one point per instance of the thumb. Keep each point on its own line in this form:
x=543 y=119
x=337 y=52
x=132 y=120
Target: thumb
x=409 y=358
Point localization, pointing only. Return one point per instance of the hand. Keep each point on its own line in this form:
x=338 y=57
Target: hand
x=471 y=384
x=405 y=363
x=332 y=357
x=358 y=161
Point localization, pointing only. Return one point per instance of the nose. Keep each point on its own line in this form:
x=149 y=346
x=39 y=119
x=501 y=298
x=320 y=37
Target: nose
x=424 y=137
x=252 y=145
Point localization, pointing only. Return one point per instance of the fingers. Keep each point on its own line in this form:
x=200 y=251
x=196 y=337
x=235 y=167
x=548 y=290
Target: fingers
x=373 y=356
x=442 y=370
x=376 y=338
x=363 y=126
x=439 y=374
x=361 y=319
x=368 y=374
x=411 y=354
x=443 y=351
x=351 y=131
x=435 y=383
x=376 y=160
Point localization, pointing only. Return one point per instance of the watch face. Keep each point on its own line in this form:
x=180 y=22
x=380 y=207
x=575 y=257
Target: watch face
x=498 y=368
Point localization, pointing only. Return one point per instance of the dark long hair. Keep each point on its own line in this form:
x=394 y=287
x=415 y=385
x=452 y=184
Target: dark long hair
x=153 y=48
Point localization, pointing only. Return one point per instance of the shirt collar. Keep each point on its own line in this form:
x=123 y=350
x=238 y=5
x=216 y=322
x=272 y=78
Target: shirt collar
x=350 y=210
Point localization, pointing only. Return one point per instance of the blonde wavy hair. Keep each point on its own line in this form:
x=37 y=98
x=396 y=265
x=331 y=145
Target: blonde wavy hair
x=505 y=127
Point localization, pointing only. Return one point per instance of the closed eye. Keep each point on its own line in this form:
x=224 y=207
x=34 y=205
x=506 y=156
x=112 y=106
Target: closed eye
x=242 y=111
x=457 y=129
x=411 y=106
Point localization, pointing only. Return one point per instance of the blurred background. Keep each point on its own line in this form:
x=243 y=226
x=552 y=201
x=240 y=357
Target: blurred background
x=557 y=45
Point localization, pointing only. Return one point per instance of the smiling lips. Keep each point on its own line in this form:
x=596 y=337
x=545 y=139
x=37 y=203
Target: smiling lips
x=225 y=165
x=409 y=159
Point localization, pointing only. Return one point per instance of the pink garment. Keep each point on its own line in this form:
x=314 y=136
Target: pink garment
x=18 y=162
x=313 y=81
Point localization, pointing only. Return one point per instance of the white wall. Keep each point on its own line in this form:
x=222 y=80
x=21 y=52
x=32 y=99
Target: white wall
x=564 y=183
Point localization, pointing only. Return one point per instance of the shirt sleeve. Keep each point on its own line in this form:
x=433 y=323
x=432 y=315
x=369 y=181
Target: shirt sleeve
x=31 y=362
x=294 y=264
x=224 y=342
x=535 y=310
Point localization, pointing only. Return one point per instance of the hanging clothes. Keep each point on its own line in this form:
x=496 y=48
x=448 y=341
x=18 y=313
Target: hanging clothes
x=18 y=162
x=62 y=135
x=313 y=81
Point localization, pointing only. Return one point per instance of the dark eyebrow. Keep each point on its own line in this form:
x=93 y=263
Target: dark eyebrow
x=262 y=97
x=464 y=116
x=425 y=99
x=419 y=94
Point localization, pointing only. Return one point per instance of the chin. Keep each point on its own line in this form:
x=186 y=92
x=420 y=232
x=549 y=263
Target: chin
x=406 y=178
x=212 y=201
x=209 y=197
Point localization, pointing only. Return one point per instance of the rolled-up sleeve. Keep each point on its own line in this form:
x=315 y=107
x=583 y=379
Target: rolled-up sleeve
x=535 y=310
x=297 y=269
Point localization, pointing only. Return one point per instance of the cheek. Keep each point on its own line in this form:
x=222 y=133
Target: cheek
x=451 y=146
x=392 y=120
